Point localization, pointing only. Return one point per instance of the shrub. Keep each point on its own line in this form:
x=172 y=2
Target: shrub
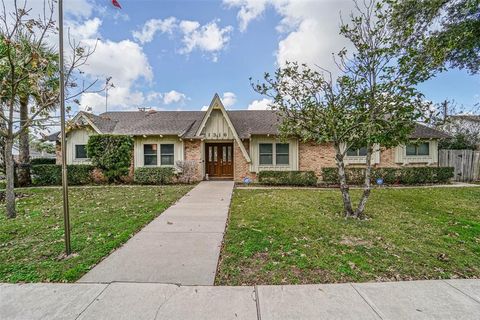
x=51 y=174
x=38 y=161
x=405 y=175
x=188 y=171
x=156 y=175
x=289 y=178
x=112 y=154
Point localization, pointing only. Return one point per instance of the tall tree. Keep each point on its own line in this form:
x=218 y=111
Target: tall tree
x=441 y=34
x=27 y=93
x=22 y=39
x=374 y=102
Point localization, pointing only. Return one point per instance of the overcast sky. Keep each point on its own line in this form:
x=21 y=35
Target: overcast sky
x=174 y=55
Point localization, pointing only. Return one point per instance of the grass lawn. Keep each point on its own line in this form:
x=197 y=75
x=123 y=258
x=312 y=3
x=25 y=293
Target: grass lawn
x=300 y=236
x=102 y=218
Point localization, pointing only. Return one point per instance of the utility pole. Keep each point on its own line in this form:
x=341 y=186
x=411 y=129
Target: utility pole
x=66 y=209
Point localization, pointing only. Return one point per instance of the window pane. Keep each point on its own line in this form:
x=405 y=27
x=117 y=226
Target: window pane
x=150 y=155
x=224 y=153
x=266 y=159
x=411 y=150
x=166 y=149
x=229 y=153
x=150 y=149
x=167 y=160
x=362 y=151
x=282 y=153
x=282 y=148
x=352 y=152
x=423 y=149
x=282 y=159
x=266 y=148
x=80 y=151
x=150 y=160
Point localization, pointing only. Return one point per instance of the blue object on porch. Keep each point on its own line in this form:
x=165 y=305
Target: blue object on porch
x=380 y=181
x=247 y=181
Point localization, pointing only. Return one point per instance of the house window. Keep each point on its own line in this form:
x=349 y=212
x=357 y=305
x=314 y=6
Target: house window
x=421 y=149
x=167 y=155
x=282 y=154
x=81 y=151
x=357 y=152
x=266 y=153
x=150 y=155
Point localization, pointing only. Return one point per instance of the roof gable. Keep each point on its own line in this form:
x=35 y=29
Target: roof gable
x=217 y=104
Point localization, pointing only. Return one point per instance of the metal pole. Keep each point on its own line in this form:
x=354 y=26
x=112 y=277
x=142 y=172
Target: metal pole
x=66 y=213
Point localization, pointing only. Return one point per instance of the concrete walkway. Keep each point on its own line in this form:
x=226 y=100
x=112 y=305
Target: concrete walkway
x=181 y=246
x=450 y=299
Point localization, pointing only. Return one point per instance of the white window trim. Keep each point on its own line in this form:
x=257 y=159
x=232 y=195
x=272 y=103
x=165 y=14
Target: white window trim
x=143 y=156
x=362 y=159
x=160 y=155
x=274 y=155
x=75 y=153
x=430 y=159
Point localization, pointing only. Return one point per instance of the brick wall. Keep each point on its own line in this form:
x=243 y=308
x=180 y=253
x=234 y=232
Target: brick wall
x=387 y=158
x=193 y=151
x=314 y=157
x=241 y=166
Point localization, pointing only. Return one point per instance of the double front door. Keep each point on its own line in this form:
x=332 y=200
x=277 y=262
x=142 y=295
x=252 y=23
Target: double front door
x=219 y=160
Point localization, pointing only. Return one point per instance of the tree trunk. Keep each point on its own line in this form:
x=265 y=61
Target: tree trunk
x=24 y=177
x=344 y=188
x=366 y=184
x=9 y=190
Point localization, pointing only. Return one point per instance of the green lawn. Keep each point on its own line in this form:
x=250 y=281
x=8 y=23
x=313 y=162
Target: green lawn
x=299 y=236
x=102 y=218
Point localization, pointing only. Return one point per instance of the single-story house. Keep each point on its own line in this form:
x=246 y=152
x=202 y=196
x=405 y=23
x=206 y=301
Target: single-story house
x=231 y=144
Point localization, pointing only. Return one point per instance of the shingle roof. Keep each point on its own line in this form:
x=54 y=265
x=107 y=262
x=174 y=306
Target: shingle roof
x=423 y=132
x=186 y=123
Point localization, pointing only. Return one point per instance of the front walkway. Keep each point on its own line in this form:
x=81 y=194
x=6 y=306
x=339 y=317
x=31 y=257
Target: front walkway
x=436 y=299
x=181 y=246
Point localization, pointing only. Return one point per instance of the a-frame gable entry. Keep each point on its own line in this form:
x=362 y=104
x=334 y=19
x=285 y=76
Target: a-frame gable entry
x=82 y=119
x=216 y=125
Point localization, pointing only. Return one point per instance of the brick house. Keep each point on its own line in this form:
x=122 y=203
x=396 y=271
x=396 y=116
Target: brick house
x=231 y=144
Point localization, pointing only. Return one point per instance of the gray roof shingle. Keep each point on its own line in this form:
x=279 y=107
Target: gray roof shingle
x=186 y=123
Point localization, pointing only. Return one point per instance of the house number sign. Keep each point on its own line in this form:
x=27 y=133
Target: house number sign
x=216 y=135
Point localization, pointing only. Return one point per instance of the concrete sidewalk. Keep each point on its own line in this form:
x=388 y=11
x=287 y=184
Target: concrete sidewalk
x=437 y=299
x=181 y=246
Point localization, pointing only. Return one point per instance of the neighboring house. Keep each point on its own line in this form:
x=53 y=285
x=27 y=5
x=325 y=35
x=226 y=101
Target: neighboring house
x=231 y=144
x=467 y=124
x=34 y=154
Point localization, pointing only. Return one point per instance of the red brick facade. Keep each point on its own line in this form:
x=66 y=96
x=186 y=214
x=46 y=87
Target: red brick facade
x=193 y=151
x=241 y=168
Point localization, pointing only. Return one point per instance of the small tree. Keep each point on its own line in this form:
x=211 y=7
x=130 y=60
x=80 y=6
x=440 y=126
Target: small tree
x=373 y=102
x=112 y=154
x=188 y=170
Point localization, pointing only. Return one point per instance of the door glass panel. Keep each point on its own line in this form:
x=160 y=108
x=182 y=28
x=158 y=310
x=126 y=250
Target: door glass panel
x=215 y=154
x=210 y=154
x=224 y=153
x=229 y=153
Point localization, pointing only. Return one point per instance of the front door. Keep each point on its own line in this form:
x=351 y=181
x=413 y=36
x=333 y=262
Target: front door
x=219 y=160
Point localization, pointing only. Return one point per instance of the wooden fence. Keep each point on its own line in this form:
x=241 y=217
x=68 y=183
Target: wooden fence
x=465 y=162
